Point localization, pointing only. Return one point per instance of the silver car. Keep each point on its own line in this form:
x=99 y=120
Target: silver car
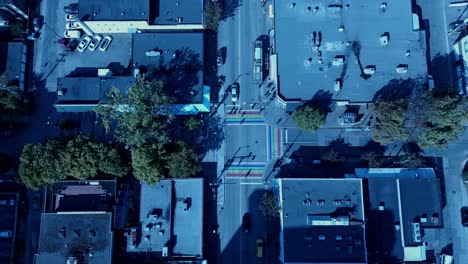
x=84 y=44
x=95 y=43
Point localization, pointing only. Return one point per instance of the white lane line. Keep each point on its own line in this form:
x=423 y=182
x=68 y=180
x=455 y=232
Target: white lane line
x=245 y=124
x=251 y=183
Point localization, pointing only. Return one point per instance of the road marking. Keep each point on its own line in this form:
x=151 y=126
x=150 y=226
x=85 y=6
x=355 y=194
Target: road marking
x=245 y=123
x=251 y=183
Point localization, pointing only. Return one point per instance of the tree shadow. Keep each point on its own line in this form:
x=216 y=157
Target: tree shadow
x=399 y=88
x=443 y=72
x=212 y=134
x=323 y=100
x=230 y=7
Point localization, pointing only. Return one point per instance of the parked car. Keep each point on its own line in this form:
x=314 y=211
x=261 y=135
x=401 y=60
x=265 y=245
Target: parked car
x=234 y=92
x=5 y=233
x=72 y=34
x=95 y=42
x=105 y=43
x=221 y=55
x=36 y=200
x=464 y=216
x=259 y=248
x=246 y=223
x=84 y=44
x=71 y=8
x=72 y=25
x=70 y=17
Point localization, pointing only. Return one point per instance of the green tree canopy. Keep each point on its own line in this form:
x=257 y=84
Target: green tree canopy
x=153 y=161
x=11 y=99
x=81 y=158
x=389 y=117
x=213 y=14
x=309 y=117
x=332 y=157
x=139 y=117
x=192 y=123
x=269 y=205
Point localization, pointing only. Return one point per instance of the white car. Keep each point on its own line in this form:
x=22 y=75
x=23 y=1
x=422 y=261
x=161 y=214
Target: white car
x=105 y=43
x=95 y=42
x=70 y=17
x=234 y=93
x=72 y=25
x=72 y=34
x=84 y=44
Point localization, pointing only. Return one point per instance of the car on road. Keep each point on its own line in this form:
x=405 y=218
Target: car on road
x=5 y=233
x=220 y=57
x=105 y=43
x=84 y=44
x=36 y=200
x=259 y=248
x=246 y=223
x=37 y=23
x=234 y=92
x=95 y=42
x=70 y=17
x=72 y=34
x=72 y=25
x=71 y=8
x=464 y=216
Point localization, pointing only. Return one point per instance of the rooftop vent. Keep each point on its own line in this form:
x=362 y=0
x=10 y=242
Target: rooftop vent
x=62 y=92
x=424 y=218
x=293 y=5
x=337 y=202
x=337 y=85
x=62 y=233
x=381 y=206
x=383 y=7
x=320 y=202
x=384 y=39
x=416 y=228
x=161 y=232
x=153 y=53
x=147 y=238
x=165 y=252
x=402 y=68
x=397 y=226
x=307 y=202
x=322 y=237
x=338 y=237
x=92 y=233
x=435 y=219
x=348 y=202
x=338 y=61
x=370 y=70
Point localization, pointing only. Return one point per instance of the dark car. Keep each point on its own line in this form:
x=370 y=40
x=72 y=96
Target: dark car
x=36 y=200
x=71 y=8
x=246 y=223
x=464 y=216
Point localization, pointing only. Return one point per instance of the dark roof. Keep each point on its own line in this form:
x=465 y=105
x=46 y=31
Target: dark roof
x=168 y=11
x=188 y=224
x=119 y=10
x=8 y=212
x=384 y=242
x=420 y=198
x=85 y=234
x=83 y=196
x=322 y=200
x=177 y=58
x=294 y=29
x=10 y=67
x=90 y=90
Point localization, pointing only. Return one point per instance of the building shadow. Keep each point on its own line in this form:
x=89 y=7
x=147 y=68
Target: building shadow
x=398 y=89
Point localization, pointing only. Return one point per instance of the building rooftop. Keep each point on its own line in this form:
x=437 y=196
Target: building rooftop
x=155 y=217
x=169 y=12
x=384 y=242
x=87 y=92
x=83 y=196
x=323 y=47
x=325 y=215
x=176 y=58
x=188 y=218
x=9 y=212
x=10 y=68
x=119 y=10
x=87 y=235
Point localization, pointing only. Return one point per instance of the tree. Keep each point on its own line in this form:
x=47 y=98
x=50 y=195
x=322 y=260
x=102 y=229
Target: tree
x=372 y=159
x=441 y=120
x=269 y=205
x=149 y=162
x=16 y=29
x=192 y=123
x=309 y=117
x=332 y=157
x=389 y=117
x=183 y=161
x=140 y=117
x=411 y=161
x=212 y=15
x=11 y=99
x=81 y=158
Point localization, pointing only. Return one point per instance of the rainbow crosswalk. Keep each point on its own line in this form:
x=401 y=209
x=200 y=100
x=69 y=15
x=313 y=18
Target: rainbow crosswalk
x=244 y=117
x=275 y=142
x=246 y=170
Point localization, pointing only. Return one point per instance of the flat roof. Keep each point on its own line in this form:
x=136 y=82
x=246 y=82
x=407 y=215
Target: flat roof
x=90 y=90
x=8 y=211
x=170 y=12
x=176 y=58
x=188 y=224
x=420 y=198
x=359 y=45
x=155 y=209
x=384 y=242
x=66 y=234
x=306 y=200
x=83 y=196
x=101 y=10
